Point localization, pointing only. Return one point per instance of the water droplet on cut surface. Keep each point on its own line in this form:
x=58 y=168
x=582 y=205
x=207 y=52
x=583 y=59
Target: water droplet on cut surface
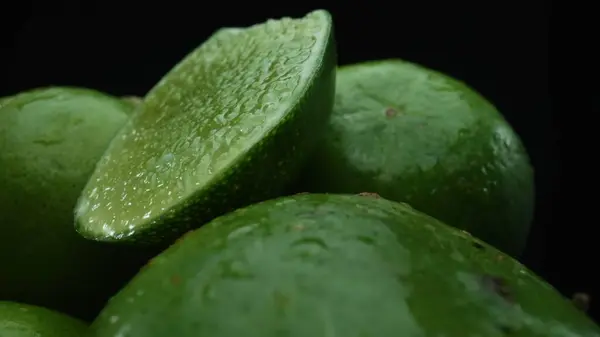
x=123 y=331
x=83 y=206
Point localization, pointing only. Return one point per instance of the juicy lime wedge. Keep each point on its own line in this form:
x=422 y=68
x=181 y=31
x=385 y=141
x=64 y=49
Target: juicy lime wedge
x=229 y=125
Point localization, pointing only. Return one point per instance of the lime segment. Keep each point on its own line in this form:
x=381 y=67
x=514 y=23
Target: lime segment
x=217 y=110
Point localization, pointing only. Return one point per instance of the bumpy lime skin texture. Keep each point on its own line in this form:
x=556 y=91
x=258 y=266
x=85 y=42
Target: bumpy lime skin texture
x=230 y=125
x=336 y=265
x=50 y=140
x=417 y=136
x=22 y=320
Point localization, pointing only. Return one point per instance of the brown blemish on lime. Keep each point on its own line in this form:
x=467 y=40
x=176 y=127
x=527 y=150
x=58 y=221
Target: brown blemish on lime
x=369 y=194
x=298 y=227
x=391 y=112
x=175 y=280
x=581 y=301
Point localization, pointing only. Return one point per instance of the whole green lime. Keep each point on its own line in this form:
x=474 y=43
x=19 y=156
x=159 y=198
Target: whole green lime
x=22 y=320
x=415 y=135
x=50 y=141
x=329 y=265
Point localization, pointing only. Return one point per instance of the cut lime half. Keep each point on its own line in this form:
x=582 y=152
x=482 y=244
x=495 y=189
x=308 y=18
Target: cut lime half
x=227 y=126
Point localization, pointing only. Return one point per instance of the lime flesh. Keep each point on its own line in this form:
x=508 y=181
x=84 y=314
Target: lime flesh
x=201 y=122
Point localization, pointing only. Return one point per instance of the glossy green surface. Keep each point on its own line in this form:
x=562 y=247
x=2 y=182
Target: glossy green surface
x=229 y=125
x=21 y=320
x=50 y=141
x=336 y=265
x=418 y=136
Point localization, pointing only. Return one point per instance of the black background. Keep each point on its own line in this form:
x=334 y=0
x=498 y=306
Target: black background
x=500 y=49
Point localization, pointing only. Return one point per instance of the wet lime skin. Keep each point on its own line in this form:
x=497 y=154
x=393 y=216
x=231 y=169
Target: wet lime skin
x=414 y=135
x=336 y=265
